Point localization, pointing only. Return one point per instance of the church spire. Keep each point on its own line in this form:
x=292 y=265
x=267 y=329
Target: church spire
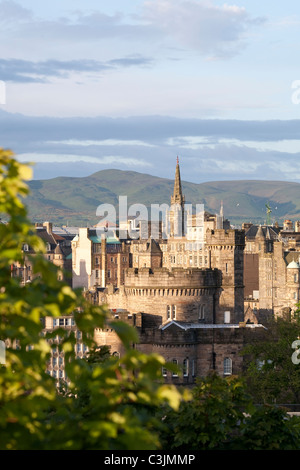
x=177 y=197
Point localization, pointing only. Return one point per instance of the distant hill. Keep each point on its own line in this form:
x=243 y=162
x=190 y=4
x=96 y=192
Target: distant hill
x=73 y=201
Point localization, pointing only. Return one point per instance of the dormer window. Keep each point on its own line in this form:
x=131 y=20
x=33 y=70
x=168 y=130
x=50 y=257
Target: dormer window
x=26 y=247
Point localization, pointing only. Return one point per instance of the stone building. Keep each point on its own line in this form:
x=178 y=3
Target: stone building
x=58 y=252
x=98 y=261
x=271 y=276
x=185 y=297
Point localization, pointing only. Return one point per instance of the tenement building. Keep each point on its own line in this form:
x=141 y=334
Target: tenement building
x=272 y=269
x=58 y=252
x=184 y=294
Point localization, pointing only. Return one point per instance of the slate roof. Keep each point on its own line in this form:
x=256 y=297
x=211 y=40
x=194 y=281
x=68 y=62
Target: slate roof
x=268 y=232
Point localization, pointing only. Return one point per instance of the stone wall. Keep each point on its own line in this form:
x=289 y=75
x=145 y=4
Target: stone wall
x=184 y=295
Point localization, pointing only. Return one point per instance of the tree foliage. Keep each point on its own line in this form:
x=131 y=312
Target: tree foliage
x=110 y=403
x=221 y=416
x=270 y=373
x=106 y=404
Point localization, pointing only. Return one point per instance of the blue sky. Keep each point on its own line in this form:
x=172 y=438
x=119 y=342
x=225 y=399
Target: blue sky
x=130 y=85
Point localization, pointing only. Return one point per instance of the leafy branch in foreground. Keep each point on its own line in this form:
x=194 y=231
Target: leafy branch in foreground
x=104 y=405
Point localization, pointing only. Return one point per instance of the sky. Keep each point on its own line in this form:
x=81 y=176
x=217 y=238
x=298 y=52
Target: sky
x=90 y=85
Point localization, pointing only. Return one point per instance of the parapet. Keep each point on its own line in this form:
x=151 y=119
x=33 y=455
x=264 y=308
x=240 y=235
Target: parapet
x=232 y=237
x=162 y=277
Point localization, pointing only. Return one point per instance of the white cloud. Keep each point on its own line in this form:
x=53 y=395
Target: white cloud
x=291 y=146
x=217 y=31
x=68 y=158
x=210 y=29
x=104 y=143
x=13 y=12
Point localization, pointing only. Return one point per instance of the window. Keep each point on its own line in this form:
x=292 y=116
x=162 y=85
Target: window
x=201 y=312
x=175 y=363
x=78 y=334
x=25 y=247
x=193 y=368
x=185 y=368
x=227 y=316
x=168 y=312
x=227 y=366
x=63 y=321
x=171 y=312
x=174 y=312
x=164 y=372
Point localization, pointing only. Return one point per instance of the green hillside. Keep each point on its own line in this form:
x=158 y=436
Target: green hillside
x=74 y=201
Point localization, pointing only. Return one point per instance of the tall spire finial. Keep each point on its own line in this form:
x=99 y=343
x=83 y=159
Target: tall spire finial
x=177 y=197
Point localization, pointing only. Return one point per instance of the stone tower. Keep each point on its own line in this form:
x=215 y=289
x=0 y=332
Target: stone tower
x=226 y=253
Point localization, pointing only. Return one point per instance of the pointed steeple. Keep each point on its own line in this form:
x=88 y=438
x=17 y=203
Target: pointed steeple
x=178 y=197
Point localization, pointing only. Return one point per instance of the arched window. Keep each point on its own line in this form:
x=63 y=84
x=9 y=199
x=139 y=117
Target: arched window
x=227 y=366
